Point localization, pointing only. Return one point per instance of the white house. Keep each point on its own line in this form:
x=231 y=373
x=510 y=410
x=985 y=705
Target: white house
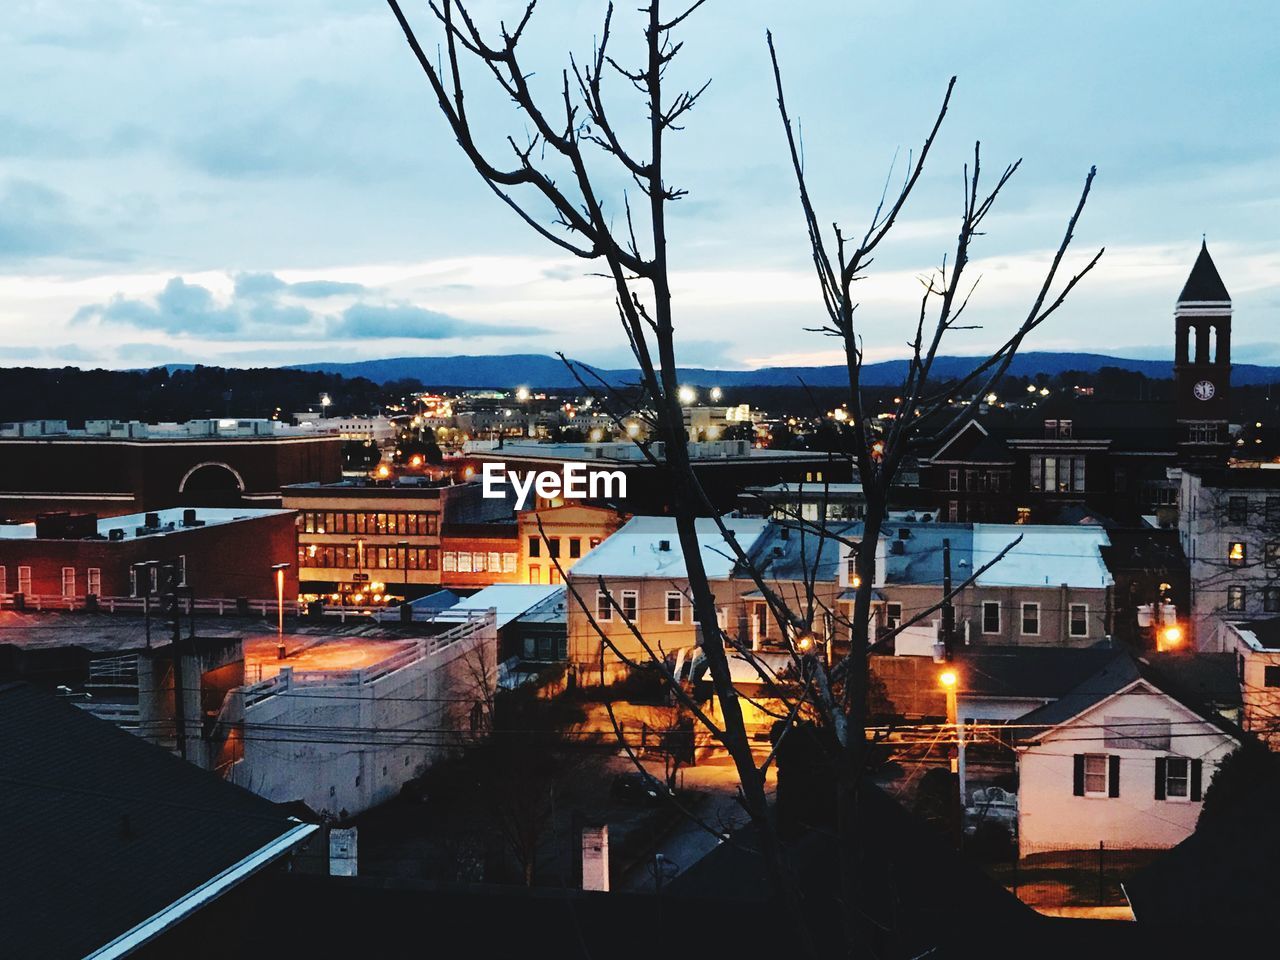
x=1117 y=761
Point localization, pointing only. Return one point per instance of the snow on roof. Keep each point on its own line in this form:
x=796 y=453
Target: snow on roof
x=1047 y=555
x=509 y=599
x=637 y=549
x=170 y=522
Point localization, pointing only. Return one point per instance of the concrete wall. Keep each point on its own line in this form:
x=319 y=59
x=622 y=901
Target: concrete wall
x=1050 y=815
x=348 y=742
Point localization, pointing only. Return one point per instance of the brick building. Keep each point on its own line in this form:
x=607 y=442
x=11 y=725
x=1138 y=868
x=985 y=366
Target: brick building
x=118 y=468
x=219 y=553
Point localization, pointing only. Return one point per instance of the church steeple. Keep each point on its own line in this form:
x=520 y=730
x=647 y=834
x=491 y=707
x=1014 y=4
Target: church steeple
x=1202 y=379
x=1204 y=285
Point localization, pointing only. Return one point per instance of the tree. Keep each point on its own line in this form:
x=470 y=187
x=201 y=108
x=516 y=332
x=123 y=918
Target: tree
x=551 y=179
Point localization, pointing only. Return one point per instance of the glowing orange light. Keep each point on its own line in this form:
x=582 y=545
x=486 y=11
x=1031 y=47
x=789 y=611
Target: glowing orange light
x=1171 y=636
x=948 y=678
x=384 y=470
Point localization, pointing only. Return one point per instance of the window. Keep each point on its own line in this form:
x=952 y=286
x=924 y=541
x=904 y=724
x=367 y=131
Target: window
x=675 y=606
x=1273 y=510
x=604 y=609
x=629 y=604
x=4 y=581
x=1024 y=515
x=595 y=542
x=509 y=563
x=1235 y=599
x=1177 y=778
x=1272 y=553
x=1238 y=509
x=1236 y=553
x=535 y=573
x=1031 y=619
x=953 y=511
x=553 y=547
x=1095 y=774
x=535 y=547
x=1271 y=599
x=554 y=574
x=24 y=580
x=182 y=570
x=990 y=616
x=68 y=581
x=953 y=480
x=1079 y=620
x=464 y=562
x=575 y=548
x=93 y=582
x=893 y=614
x=450 y=561
x=1271 y=676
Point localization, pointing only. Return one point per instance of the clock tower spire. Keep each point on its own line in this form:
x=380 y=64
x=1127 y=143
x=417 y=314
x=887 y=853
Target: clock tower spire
x=1202 y=365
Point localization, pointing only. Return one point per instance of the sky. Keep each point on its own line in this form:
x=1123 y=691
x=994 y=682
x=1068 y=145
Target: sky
x=247 y=183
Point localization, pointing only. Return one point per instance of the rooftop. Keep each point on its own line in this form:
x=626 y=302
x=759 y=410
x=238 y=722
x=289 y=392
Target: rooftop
x=108 y=836
x=650 y=547
x=625 y=451
x=1204 y=285
x=1045 y=556
x=316 y=654
x=510 y=600
x=135 y=526
x=1241 y=478
x=794 y=551
x=122 y=430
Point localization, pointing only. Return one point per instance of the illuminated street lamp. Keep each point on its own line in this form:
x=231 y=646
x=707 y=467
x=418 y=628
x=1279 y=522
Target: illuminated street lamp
x=687 y=396
x=522 y=393
x=950 y=681
x=279 y=569
x=716 y=394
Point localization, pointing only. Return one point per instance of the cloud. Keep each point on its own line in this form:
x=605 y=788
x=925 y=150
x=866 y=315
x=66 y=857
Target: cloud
x=408 y=321
x=262 y=306
x=268 y=284
x=37 y=221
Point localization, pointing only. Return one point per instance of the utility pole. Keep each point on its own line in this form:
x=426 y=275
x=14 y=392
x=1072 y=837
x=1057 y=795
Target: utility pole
x=174 y=610
x=948 y=611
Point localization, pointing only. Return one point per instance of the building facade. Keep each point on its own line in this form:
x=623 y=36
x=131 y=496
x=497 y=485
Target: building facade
x=1229 y=527
x=218 y=553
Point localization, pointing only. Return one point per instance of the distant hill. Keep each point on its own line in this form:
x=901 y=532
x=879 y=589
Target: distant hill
x=541 y=371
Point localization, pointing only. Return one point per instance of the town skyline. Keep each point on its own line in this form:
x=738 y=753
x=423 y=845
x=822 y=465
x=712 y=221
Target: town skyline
x=290 y=212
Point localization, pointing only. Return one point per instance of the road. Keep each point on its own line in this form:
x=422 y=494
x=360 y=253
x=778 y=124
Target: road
x=689 y=842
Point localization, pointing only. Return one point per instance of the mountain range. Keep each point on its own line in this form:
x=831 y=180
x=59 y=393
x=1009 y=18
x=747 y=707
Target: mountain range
x=546 y=372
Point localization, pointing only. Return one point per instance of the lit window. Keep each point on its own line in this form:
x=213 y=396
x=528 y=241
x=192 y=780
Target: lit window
x=1236 y=553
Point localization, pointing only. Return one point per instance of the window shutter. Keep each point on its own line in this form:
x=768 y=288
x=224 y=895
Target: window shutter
x=1077 y=779
x=1197 y=772
x=1113 y=776
x=1160 y=772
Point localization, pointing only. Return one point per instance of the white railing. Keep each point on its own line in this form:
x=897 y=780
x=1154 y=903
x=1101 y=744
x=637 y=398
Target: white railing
x=121 y=714
x=220 y=605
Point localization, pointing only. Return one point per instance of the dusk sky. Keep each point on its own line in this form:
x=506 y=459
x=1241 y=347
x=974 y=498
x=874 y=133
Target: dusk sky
x=246 y=183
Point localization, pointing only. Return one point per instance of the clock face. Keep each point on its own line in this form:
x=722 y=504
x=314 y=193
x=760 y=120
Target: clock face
x=1203 y=390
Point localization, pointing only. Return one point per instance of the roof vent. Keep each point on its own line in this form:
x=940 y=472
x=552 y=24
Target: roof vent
x=115 y=534
x=664 y=546
x=785 y=533
x=904 y=533
x=151 y=520
x=897 y=548
x=777 y=550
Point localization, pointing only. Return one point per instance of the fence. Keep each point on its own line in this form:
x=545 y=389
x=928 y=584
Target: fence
x=1055 y=877
x=219 y=605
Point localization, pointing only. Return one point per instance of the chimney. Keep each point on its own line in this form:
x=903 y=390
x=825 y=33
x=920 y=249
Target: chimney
x=664 y=546
x=595 y=858
x=342 y=852
x=189 y=517
x=151 y=521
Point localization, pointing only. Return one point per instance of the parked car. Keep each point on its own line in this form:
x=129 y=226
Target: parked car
x=637 y=787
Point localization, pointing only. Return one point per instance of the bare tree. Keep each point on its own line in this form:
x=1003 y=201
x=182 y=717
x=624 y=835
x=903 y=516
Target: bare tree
x=550 y=179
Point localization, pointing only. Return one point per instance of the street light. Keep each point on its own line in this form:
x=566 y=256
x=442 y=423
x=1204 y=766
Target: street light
x=279 y=569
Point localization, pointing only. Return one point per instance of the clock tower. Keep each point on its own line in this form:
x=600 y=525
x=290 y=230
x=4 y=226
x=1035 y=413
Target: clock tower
x=1202 y=366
